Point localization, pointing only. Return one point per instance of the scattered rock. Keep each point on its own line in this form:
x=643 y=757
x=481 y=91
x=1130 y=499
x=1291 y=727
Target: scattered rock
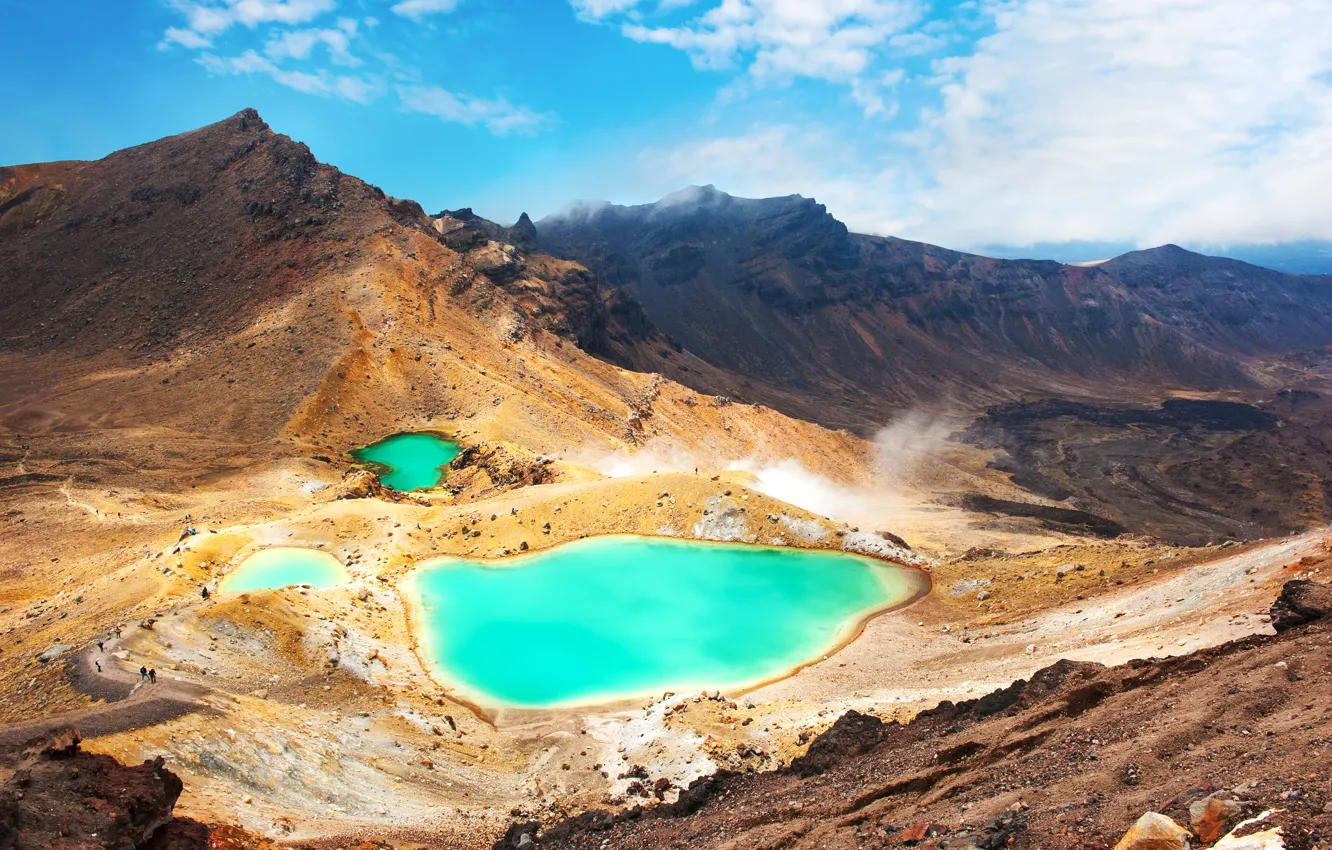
x=1210 y=816
x=1300 y=602
x=53 y=653
x=915 y=833
x=1154 y=831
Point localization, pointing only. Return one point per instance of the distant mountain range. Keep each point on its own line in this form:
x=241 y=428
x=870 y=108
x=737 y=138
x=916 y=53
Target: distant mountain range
x=770 y=301
x=1303 y=257
x=844 y=328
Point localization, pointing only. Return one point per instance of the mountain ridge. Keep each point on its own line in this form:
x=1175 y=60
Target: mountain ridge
x=782 y=294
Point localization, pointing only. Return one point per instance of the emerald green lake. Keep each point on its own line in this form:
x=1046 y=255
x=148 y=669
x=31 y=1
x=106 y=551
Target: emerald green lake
x=409 y=461
x=284 y=565
x=621 y=616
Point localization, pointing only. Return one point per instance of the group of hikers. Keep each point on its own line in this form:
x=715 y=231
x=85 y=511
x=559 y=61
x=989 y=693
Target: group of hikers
x=145 y=674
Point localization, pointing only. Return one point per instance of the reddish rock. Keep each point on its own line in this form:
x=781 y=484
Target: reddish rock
x=915 y=832
x=1211 y=816
x=60 y=796
x=1154 y=831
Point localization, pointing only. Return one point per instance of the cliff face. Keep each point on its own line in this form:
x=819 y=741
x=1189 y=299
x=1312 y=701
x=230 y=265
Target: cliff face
x=844 y=328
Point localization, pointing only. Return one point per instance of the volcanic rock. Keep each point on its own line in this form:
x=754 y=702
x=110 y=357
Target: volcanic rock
x=1210 y=816
x=1154 y=831
x=62 y=796
x=1300 y=602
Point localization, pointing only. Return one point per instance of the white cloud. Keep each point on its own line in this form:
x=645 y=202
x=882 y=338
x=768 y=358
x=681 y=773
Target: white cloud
x=186 y=38
x=777 y=41
x=248 y=62
x=319 y=83
x=299 y=44
x=291 y=54
x=498 y=115
x=595 y=10
x=785 y=159
x=251 y=13
x=211 y=19
x=419 y=10
x=1143 y=121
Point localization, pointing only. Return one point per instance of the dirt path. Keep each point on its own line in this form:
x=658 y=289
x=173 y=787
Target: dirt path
x=128 y=702
x=900 y=660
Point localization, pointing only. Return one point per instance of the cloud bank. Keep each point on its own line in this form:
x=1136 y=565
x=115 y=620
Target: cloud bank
x=318 y=60
x=1022 y=121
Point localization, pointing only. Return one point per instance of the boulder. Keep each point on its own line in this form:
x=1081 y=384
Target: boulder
x=53 y=653
x=852 y=734
x=1154 y=831
x=518 y=835
x=61 y=796
x=1268 y=839
x=358 y=484
x=1300 y=602
x=1210 y=816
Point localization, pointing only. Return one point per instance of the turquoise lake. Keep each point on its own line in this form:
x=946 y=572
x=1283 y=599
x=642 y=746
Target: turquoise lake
x=620 y=616
x=409 y=461
x=284 y=565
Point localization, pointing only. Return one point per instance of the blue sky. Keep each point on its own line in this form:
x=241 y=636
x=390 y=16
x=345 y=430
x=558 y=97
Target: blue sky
x=967 y=123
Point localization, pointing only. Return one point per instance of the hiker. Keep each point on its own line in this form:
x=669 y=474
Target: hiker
x=205 y=592
x=143 y=673
x=152 y=676
x=99 y=666
x=100 y=648
x=117 y=631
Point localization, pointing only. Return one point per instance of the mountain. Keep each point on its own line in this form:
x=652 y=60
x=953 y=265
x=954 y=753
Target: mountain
x=225 y=280
x=845 y=329
x=195 y=334
x=177 y=313
x=1304 y=257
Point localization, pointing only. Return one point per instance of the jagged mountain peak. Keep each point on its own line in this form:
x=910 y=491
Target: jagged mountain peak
x=692 y=202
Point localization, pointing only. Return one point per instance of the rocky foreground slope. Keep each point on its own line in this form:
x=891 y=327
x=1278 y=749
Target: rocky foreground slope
x=1070 y=758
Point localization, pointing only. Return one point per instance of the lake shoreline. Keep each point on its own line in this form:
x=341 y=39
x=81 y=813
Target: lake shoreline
x=915 y=584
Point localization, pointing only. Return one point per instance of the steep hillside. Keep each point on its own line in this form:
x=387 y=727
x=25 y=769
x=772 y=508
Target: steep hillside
x=844 y=329
x=226 y=285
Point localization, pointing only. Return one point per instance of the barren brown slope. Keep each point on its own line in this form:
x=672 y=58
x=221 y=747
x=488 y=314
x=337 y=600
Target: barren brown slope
x=224 y=284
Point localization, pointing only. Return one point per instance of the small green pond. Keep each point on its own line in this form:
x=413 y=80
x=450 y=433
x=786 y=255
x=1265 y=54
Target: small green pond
x=284 y=565
x=409 y=461
x=621 y=616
